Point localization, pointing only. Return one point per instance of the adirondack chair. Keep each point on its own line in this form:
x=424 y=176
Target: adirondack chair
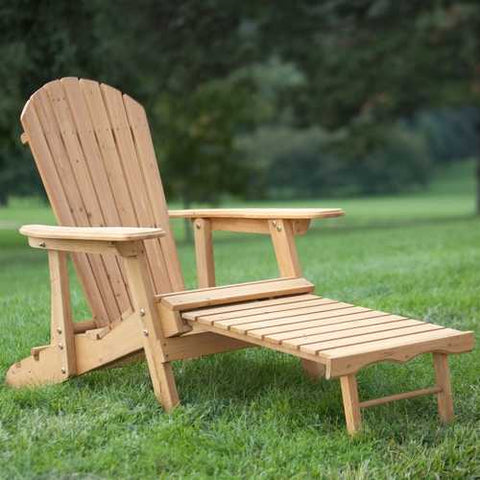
x=93 y=149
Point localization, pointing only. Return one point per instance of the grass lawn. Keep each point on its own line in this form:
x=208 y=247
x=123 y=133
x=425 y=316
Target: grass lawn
x=252 y=413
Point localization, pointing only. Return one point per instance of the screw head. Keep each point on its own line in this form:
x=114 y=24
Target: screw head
x=142 y=312
x=145 y=332
x=59 y=330
x=198 y=226
x=274 y=223
x=279 y=228
x=64 y=370
x=60 y=346
x=42 y=244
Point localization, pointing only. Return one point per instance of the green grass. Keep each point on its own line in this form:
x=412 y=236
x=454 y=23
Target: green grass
x=252 y=414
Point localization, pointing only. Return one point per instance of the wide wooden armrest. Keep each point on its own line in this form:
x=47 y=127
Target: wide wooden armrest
x=109 y=234
x=259 y=213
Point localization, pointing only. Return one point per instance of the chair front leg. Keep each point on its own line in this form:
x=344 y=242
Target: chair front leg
x=62 y=334
x=444 y=396
x=153 y=338
x=351 y=404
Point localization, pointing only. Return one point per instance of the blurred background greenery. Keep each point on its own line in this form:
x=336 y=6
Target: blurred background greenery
x=262 y=100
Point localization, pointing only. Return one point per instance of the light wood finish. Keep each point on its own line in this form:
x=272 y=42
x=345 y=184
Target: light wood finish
x=282 y=233
x=156 y=197
x=83 y=326
x=42 y=367
x=191 y=299
x=240 y=225
x=401 y=349
x=101 y=247
x=400 y=396
x=112 y=234
x=229 y=311
x=339 y=335
x=254 y=225
x=259 y=213
x=61 y=326
x=200 y=343
x=153 y=339
x=56 y=362
x=444 y=396
x=122 y=341
x=283 y=239
x=204 y=253
x=246 y=312
x=256 y=325
x=171 y=320
x=351 y=405
x=93 y=149
x=394 y=330
x=342 y=319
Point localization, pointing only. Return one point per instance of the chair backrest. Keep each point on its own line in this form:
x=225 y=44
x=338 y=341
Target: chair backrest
x=93 y=148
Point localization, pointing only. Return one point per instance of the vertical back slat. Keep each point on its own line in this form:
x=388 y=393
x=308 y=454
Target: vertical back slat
x=146 y=154
x=133 y=174
x=116 y=299
x=103 y=200
x=60 y=203
x=57 y=135
x=93 y=149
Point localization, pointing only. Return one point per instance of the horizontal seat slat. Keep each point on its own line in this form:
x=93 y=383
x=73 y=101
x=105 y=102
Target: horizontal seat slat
x=295 y=319
x=391 y=343
x=347 y=322
x=194 y=299
x=365 y=339
x=341 y=336
x=353 y=334
x=282 y=307
x=240 y=307
x=279 y=317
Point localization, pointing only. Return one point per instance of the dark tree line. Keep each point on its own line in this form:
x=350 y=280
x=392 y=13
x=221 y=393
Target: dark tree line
x=334 y=93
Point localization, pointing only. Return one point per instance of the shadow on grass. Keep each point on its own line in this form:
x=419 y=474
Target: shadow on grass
x=263 y=382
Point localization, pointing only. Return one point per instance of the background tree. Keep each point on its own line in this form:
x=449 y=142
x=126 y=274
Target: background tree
x=370 y=63
x=347 y=97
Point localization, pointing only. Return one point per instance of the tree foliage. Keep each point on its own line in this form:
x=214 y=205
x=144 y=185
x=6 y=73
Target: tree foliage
x=364 y=95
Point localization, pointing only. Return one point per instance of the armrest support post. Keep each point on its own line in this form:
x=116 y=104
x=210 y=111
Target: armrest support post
x=282 y=232
x=283 y=240
x=204 y=253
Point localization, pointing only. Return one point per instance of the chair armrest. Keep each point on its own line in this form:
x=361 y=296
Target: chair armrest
x=259 y=213
x=122 y=241
x=282 y=224
x=108 y=234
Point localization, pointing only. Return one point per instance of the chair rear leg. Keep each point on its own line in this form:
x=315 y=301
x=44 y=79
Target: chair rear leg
x=351 y=404
x=444 y=396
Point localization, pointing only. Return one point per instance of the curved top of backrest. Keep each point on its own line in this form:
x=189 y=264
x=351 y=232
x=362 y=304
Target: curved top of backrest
x=93 y=148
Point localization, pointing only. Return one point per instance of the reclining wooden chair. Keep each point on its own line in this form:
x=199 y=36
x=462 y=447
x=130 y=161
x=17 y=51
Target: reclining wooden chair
x=93 y=149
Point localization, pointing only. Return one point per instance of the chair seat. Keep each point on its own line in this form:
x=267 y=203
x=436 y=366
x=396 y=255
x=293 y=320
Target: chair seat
x=342 y=336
